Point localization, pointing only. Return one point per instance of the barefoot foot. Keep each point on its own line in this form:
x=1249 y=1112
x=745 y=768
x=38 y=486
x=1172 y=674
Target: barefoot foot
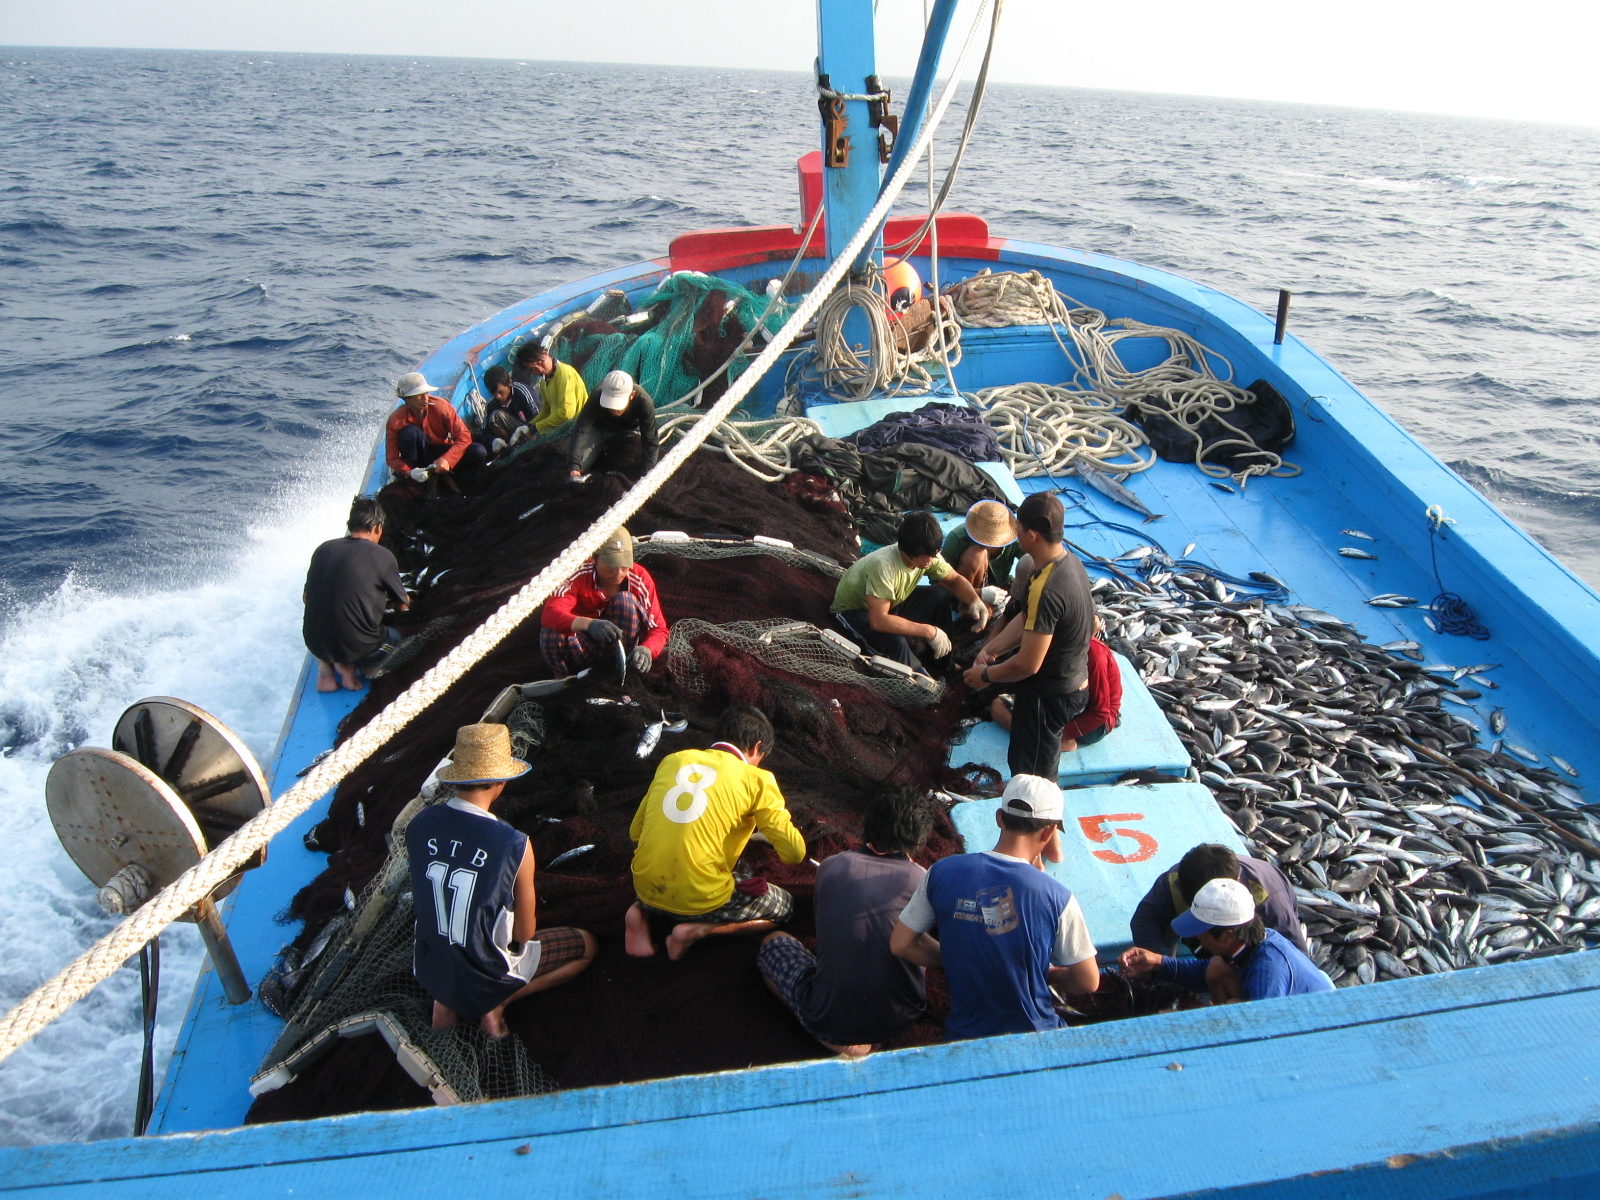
x=636 y=936
x=443 y=1017
x=327 y=681
x=683 y=936
x=349 y=677
x=493 y=1023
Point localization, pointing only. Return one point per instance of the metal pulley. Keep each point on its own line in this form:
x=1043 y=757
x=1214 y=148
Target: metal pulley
x=136 y=817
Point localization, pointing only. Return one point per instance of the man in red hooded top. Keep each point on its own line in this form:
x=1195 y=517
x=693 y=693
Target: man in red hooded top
x=609 y=601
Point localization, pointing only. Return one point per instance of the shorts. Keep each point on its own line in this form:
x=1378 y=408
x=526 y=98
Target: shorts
x=790 y=967
x=557 y=948
x=776 y=905
x=1036 y=725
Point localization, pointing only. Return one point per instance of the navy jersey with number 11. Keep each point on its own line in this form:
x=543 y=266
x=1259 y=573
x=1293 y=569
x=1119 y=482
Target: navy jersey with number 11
x=463 y=885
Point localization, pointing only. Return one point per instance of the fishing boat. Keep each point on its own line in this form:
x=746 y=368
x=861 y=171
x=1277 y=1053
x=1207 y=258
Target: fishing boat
x=1443 y=1083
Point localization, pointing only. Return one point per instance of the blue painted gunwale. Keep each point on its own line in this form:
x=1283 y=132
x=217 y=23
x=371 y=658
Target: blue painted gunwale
x=1362 y=468
x=1343 y=1082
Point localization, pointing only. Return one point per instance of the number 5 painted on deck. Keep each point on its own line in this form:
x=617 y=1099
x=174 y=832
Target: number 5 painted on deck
x=1094 y=828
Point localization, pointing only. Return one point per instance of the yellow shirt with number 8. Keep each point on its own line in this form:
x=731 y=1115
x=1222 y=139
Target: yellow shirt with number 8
x=696 y=820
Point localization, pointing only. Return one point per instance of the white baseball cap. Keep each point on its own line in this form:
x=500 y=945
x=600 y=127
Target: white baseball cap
x=1221 y=903
x=616 y=389
x=1033 y=796
x=412 y=383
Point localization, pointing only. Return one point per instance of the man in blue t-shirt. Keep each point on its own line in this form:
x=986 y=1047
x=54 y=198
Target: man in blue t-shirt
x=1248 y=961
x=1008 y=933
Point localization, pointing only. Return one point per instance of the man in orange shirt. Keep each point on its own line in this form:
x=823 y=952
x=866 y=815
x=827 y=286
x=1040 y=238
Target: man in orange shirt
x=425 y=434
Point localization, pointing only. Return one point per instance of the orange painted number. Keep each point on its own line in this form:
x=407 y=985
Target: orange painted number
x=1094 y=828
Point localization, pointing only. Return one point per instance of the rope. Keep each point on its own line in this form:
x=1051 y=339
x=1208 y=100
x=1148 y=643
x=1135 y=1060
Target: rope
x=107 y=955
x=887 y=367
x=1184 y=387
x=1451 y=613
x=763 y=448
x=1044 y=430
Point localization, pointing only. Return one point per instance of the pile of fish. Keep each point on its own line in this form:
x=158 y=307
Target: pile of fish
x=1413 y=850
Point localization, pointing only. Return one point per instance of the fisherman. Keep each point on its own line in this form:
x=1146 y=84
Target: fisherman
x=350 y=583
x=1174 y=891
x=511 y=410
x=692 y=826
x=983 y=550
x=478 y=942
x=1103 y=710
x=878 y=602
x=426 y=435
x=611 y=601
x=562 y=392
x=854 y=994
x=1248 y=960
x=1008 y=932
x=1049 y=673
x=622 y=409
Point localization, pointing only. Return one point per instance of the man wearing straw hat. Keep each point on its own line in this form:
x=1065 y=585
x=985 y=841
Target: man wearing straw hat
x=478 y=944
x=983 y=550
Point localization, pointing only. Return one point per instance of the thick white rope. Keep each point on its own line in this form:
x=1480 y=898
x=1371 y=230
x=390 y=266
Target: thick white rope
x=107 y=955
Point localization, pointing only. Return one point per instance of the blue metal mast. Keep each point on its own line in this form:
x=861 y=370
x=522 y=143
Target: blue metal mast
x=851 y=171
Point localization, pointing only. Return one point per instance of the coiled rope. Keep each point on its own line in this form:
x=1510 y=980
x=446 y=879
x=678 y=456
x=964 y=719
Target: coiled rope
x=107 y=955
x=1184 y=387
x=1450 y=612
x=888 y=368
x=1044 y=430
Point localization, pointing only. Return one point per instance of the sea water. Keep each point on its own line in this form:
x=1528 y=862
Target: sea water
x=213 y=267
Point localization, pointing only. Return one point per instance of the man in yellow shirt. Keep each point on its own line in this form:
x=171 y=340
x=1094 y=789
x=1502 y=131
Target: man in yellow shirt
x=562 y=393
x=691 y=828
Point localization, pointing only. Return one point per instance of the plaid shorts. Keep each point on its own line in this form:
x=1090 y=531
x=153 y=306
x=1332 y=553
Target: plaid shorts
x=776 y=905
x=557 y=948
x=789 y=965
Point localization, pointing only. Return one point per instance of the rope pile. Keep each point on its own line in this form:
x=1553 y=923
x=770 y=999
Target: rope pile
x=1094 y=410
x=108 y=954
x=888 y=366
x=762 y=448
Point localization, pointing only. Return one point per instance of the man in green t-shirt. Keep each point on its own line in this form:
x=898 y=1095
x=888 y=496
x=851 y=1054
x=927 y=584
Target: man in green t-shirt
x=983 y=550
x=879 y=605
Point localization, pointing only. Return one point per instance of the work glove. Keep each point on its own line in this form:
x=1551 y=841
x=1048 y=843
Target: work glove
x=641 y=660
x=979 y=612
x=522 y=434
x=603 y=632
x=939 y=643
x=994 y=597
x=418 y=474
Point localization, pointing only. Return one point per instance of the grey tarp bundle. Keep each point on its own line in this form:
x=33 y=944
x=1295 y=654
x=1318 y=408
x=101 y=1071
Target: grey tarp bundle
x=882 y=485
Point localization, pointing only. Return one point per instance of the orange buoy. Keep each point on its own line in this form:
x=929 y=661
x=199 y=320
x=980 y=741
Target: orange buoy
x=901 y=284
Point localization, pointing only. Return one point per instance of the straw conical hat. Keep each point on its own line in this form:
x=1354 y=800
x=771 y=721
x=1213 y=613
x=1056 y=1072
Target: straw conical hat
x=989 y=524
x=482 y=755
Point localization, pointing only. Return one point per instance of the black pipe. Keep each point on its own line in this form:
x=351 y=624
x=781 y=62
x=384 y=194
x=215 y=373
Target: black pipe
x=149 y=992
x=1283 y=316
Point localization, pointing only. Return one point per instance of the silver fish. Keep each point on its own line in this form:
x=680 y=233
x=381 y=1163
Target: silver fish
x=648 y=740
x=1222 y=487
x=1188 y=550
x=1565 y=766
x=1352 y=552
x=1110 y=488
x=1136 y=555
x=1523 y=753
x=532 y=510
x=1431 y=623
x=568 y=856
x=1497 y=721
x=1356 y=533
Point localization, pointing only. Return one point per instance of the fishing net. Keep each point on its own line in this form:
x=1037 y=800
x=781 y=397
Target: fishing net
x=694 y=323
x=794 y=647
x=705 y=548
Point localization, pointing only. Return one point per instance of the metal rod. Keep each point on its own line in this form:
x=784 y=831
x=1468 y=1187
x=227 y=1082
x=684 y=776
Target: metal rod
x=215 y=935
x=149 y=995
x=1283 y=316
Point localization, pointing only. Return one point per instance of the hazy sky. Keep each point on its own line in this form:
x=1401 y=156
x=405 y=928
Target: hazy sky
x=1532 y=60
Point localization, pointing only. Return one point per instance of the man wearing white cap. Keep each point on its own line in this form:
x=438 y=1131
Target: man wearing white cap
x=1248 y=960
x=426 y=435
x=1008 y=933
x=621 y=407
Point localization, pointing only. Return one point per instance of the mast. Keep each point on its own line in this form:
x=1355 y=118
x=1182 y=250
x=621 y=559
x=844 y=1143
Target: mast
x=851 y=168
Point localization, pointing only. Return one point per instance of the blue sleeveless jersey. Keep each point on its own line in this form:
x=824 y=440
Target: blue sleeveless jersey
x=463 y=877
x=997 y=928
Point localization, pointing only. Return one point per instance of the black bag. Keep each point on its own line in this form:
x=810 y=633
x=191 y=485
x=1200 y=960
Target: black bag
x=1267 y=422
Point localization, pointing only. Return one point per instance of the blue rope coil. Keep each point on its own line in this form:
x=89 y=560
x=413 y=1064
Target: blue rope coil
x=1450 y=612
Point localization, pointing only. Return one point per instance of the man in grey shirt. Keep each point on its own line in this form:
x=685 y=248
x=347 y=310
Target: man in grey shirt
x=854 y=994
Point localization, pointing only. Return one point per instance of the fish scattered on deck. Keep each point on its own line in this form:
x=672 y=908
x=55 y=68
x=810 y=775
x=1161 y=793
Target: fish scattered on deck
x=1188 y=550
x=1110 y=488
x=1356 y=533
x=1401 y=865
x=1353 y=552
x=1392 y=600
x=1222 y=487
x=648 y=740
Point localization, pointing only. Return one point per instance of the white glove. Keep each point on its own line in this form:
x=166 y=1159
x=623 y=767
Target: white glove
x=994 y=597
x=979 y=612
x=418 y=474
x=939 y=643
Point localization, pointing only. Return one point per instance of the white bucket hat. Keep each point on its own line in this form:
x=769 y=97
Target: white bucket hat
x=412 y=383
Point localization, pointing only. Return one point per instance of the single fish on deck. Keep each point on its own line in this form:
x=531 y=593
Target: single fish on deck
x=1110 y=488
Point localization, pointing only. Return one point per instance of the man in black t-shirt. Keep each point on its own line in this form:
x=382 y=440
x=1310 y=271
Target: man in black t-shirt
x=351 y=581
x=1049 y=673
